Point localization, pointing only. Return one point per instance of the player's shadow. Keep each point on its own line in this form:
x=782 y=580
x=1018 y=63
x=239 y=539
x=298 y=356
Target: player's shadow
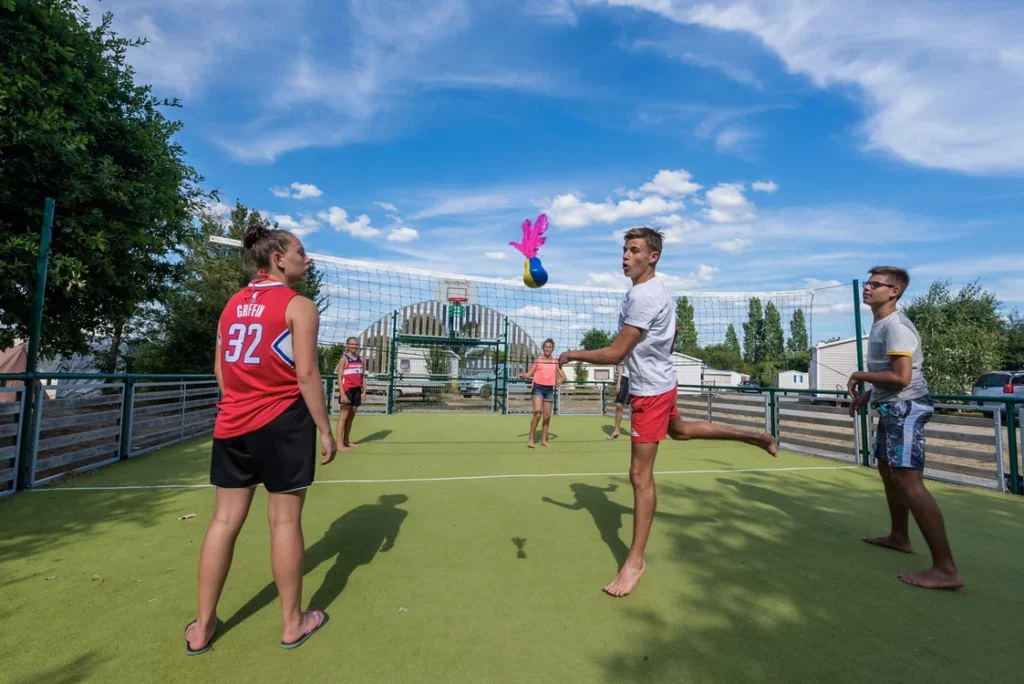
x=378 y=436
x=352 y=540
x=607 y=515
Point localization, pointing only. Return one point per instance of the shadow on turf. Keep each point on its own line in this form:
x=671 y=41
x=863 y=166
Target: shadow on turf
x=378 y=436
x=352 y=540
x=782 y=589
x=81 y=669
x=607 y=515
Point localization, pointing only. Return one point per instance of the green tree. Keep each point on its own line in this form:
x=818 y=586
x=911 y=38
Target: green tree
x=754 y=332
x=76 y=127
x=686 y=329
x=596 y=339
x=732 y=341
x=438 y=361
x=314 y=288
x=962 y=335
x=580 y=372
x=1013 y=357
x=722 y=357
x=774 y=350
x=798 y=340
x=329 y=357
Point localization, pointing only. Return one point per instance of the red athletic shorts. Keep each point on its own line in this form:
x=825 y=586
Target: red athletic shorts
x=649 y=416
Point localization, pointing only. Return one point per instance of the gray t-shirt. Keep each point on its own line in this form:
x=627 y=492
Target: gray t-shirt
x=895 y=335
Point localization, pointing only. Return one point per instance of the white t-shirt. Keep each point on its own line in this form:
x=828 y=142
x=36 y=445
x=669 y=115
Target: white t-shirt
x=649 y=306
x=895 y=335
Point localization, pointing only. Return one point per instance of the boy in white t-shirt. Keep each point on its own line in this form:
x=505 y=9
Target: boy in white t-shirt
x=646 y=335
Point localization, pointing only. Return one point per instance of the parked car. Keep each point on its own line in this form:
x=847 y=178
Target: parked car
x=482 y=384
x=999 y=384
x=750 y=385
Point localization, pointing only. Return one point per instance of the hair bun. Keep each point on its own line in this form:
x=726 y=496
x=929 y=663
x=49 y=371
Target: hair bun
x=253 y=234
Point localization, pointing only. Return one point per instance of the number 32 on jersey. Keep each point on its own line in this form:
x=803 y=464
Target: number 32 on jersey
x=244 y=336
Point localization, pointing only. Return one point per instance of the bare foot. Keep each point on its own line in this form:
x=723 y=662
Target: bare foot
x=544 y=443
x=626 y=579
x=530 y=444
x=614 y=435
x=343 y=447
x=769 y=444
x=197 y=638
x=353 y=445
x=933 y=578
x=891 y=542
x=308 y=621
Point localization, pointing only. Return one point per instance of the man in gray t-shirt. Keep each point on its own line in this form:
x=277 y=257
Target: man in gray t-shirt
x=899 y=393
x=895 y=335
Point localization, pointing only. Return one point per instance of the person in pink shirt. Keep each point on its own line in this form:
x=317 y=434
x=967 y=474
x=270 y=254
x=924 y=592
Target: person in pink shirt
x=546 y=375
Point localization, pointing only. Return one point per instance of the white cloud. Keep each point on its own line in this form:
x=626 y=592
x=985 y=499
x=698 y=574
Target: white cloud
x=403 y=234
x=553 y=312
x=302 y=227
x=676 y=227
x=678 y=183
x=973 y=267
x=496 y=256
x=463 y=205
x=693 y=281
x=938 y=92
x=762 y=186
x=338 y=219
x=569 y=211
x=552 y=11
x=734 y=139
x=734 y=246
x=608 y=279
x=727 y=204
x=387 y=206
x=297 y=191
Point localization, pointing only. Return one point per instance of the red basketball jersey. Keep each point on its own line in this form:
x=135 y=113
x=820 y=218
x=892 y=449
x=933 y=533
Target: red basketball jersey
x=256 y=361
x=352 y=376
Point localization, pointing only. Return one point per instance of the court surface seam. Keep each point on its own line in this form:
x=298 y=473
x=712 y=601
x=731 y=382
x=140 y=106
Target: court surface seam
x=462 y=478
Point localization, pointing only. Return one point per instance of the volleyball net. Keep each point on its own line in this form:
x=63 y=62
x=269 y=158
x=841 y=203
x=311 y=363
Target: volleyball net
x=437 y=329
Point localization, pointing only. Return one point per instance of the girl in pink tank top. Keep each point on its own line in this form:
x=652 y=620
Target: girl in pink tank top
x=546 y=375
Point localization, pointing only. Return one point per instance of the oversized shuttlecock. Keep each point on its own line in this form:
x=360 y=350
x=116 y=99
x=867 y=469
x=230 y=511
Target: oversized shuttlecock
x=534 y=274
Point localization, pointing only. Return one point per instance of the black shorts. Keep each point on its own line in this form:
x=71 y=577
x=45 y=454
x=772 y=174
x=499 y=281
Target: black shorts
x=281 y=454
x=623 y=395
x=353 y=396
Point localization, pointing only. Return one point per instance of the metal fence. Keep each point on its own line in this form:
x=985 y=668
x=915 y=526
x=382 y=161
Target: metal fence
x=80 y=422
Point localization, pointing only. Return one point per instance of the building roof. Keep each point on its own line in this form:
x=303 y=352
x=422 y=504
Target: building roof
x=838 y=342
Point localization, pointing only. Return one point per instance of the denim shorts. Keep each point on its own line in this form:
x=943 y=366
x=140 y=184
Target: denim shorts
x=545 y=392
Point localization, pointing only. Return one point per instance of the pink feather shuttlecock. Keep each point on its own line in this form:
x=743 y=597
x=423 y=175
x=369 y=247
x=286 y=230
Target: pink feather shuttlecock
x=534 y=274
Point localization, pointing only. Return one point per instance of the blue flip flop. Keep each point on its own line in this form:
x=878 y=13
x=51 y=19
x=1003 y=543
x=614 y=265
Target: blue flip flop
x=199 y=651
x=301 y=640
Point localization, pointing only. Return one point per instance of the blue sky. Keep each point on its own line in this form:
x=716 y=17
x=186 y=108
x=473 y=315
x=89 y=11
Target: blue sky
x=781 y=145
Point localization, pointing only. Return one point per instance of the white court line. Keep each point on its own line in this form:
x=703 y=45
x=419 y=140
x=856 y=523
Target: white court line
x=460 y=478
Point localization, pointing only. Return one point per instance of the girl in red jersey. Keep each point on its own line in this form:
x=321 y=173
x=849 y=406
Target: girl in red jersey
x=546 y=376
x=272 y=403
x=353 y=390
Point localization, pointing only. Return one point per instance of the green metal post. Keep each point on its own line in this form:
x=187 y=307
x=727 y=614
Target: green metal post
x=865 y=449
x=38 y=296
x=1011 y=432
x=771 y=412
x=392 y=363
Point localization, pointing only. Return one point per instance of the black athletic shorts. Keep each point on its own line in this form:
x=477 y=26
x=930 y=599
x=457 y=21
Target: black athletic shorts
x=354 y=396
x=281 y=454
x=623 y=395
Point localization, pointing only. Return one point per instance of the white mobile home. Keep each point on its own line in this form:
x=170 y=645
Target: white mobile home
x=792 y=379
x=722 y=378
x=688 y=372
x=833 y=363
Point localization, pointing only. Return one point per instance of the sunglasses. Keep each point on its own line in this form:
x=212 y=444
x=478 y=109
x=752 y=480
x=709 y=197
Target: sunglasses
x=874 y=284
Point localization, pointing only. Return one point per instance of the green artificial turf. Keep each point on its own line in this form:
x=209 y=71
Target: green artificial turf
x=754 y=576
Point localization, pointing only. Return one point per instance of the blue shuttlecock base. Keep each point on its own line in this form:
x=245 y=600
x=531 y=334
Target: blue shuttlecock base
x=534 y=274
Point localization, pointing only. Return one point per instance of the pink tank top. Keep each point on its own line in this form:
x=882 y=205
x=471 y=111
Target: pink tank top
x=546 y=371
